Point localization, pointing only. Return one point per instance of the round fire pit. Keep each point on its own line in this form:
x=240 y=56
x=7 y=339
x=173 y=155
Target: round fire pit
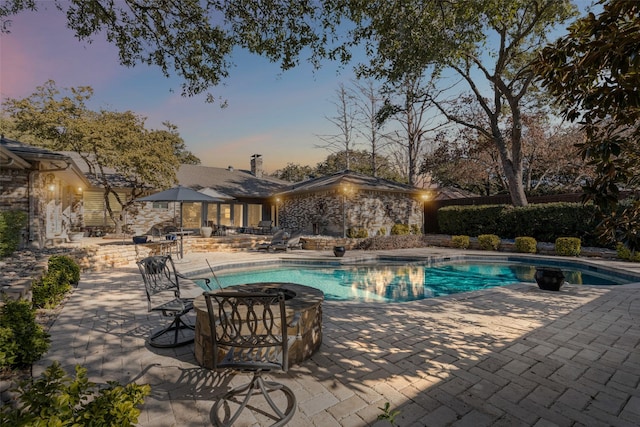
x=300 y=300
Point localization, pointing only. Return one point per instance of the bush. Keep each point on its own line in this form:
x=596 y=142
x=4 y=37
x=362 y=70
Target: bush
x=57 y=399
x=399 y=229
x=415 y=229
x=544 y=222
x=527 y=245
x=568 y=246
x=11 y=225
x=626 y=254
x=357 y=233
x=69 y=269
x=471 y=220
x=489 y=242
x=51 y=288
x=391 y=242
x=382 y=231
x=22 y=340
x=460 y=242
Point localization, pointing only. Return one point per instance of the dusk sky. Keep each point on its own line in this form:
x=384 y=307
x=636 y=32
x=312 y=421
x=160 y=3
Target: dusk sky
x=278 y=115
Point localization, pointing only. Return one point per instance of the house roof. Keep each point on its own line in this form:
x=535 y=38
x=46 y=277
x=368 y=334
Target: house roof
x=349 y=178
x=25 y=156
x=230 y=181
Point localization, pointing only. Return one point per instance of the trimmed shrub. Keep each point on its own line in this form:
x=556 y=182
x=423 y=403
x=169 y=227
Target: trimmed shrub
x=357 y=233
x=471 y=220
x=460 y=242
x=568 y=246
x=57 y=399
x=382 y=231
x=11 y=225
x=51 y=288
x=626 y=254
x=391 y=242
x=400 y=229
x=527 y=245
x=489 y=242
x=68 y=268
x=415 y=229
x=544 y=222
x=22 y=340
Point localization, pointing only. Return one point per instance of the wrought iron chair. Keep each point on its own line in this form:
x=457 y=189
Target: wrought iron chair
x=249 y=334
x=161 y=283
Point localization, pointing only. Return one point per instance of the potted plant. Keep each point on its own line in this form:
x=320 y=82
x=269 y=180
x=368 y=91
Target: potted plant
x=205 y=231
x=549 y=278
x=139 y=239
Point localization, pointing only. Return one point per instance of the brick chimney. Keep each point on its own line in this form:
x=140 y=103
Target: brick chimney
x=256 y=165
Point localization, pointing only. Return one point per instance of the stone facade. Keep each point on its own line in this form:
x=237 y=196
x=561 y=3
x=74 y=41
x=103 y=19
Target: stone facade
x=374 y=211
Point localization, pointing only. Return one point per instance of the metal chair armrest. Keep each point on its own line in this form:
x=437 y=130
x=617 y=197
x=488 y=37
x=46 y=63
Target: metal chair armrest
x=206 y=280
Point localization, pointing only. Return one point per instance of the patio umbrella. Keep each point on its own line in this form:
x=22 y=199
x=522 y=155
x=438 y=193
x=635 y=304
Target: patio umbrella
x=180 y=195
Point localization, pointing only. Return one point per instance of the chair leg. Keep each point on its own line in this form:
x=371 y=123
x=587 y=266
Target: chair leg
x=183 y=333
x=265 y=387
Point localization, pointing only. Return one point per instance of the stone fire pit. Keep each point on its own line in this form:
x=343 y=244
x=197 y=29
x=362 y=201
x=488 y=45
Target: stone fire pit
x=300 y=300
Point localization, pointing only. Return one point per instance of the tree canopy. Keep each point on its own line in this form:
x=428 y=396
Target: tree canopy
x=195 y=39
x=594 y=73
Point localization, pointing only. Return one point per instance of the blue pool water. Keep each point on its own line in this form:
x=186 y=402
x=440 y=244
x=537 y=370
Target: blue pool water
x=401 y=283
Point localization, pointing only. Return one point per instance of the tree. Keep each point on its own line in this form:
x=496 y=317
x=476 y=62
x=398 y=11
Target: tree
x=594 y=74
x=408 y=105
x=195 y=39
x=344 y=120
x=293 y=172
x=487 y=45
x=361 y=163
x=468 y=161
x=105 y=140
x=368 y=102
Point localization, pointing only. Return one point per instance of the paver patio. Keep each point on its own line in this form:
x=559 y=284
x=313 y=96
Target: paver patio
x=507 y=356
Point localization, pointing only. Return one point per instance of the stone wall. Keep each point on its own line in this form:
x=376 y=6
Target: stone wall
x=375 y=211
x=143 y=219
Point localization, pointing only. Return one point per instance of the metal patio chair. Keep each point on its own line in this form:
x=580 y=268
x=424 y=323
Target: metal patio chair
x=162 y=286
x=249 y=334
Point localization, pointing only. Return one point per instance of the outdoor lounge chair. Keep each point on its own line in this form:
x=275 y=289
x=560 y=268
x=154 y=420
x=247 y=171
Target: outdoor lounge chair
x=249 y=331
x=277 y=238
x=293 y=242
x=265 y=227
x=162 y=286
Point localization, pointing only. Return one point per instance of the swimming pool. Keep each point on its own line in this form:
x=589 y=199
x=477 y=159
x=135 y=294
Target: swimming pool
x=402 y=282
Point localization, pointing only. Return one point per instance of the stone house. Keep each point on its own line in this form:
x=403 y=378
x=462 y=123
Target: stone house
x=244 y=200
x=45 y=185
x=59 y=195
x=335 y=204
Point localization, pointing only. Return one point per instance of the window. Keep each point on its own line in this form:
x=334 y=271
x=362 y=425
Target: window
x=212 y=214
x=238 y=216
x=254 y=215
x=225 y=214
x=191 y=214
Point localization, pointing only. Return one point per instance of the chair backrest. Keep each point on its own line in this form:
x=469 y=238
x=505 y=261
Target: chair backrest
x=278 y=236
x=159 y=275
x=265 y=223
x=294 y=239
x=253 y=325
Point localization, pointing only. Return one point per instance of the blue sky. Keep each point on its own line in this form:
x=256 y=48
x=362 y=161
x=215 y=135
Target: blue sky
x=269 y=112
